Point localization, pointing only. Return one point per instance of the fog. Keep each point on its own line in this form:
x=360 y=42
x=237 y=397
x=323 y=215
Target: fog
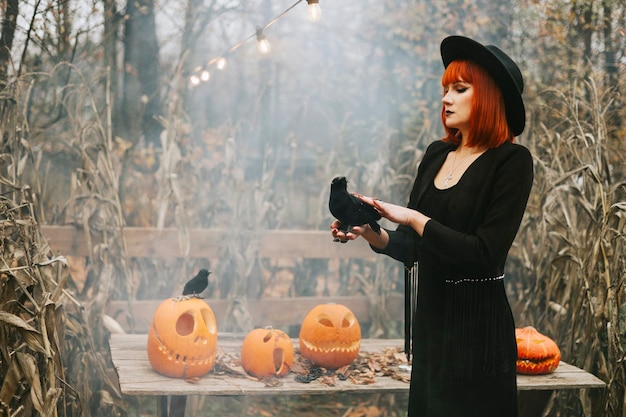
x=329 y=99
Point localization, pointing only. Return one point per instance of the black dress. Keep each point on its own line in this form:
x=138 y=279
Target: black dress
x=463 y=333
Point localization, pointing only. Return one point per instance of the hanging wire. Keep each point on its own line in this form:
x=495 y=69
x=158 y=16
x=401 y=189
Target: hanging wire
x=265 y=26
x=195 y=78
x=271 y=22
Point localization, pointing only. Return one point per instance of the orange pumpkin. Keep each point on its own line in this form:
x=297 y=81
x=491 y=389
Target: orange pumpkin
x=182 y=339
x=330 y=336
x=266 y=353
x=536 y=353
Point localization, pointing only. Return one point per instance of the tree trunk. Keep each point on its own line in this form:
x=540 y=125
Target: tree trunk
x=612 y=57
x=64 y=29
x=265 y=115
x=141 y=103
x=111 y=25
x=610 y=60
x=9 y=24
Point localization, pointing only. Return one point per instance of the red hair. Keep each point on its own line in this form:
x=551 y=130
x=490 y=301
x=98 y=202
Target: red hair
x=488 y=124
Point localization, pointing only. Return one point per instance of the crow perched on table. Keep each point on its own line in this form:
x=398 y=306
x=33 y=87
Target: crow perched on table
x=350 y=210
x=197 y=284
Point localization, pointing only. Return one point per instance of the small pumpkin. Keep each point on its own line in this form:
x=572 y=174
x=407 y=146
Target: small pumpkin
x=182 y=340
x=267 y=352
x=536 y=353
x=330 y=336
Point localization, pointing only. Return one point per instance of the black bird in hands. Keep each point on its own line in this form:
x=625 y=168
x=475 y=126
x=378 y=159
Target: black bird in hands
x=197 y=284
x=350 y=210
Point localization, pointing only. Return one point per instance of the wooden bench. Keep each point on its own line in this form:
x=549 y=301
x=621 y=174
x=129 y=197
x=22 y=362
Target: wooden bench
x=136 y=377
x=206 y=244
x=147 y=242
x=263 y=312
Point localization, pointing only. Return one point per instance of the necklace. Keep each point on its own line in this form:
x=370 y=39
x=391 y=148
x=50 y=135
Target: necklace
x=454 y=167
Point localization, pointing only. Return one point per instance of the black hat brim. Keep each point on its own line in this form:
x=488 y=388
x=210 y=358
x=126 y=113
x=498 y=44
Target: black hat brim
x=500 y=66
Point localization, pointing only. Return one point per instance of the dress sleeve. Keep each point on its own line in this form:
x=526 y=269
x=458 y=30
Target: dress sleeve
x=403 y=241
x=401 y=246
x=495 y=230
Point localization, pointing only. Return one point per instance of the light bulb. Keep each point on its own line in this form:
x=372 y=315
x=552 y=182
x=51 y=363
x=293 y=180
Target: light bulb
x=221 y=63
x=205 y=75
x=194 y=80
x=313 y=10
x=264 y=45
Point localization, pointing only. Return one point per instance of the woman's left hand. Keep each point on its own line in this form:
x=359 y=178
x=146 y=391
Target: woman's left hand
x=397 y=214
x=393 y=212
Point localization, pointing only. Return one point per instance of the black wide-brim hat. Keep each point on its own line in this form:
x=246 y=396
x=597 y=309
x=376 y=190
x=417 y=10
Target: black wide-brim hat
x=502 y=68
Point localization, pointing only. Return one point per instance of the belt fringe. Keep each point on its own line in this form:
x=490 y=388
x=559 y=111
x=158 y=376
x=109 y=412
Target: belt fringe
x=477 y=327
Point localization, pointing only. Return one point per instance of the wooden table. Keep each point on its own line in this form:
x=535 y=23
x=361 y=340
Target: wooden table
x=136 y=377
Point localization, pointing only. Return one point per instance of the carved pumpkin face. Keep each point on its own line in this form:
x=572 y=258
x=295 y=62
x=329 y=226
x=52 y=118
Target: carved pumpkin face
x=182 y=339
x=266 y=353
x=536 y=353
x=330 y=336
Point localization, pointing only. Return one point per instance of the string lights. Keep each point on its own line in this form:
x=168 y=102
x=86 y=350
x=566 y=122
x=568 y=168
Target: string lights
x=201 y=73
x=221 y=63
x=313 y=10
x=264 y=45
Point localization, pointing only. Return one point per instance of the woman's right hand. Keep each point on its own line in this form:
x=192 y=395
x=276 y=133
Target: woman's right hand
x=343 y=237
x=377 y=240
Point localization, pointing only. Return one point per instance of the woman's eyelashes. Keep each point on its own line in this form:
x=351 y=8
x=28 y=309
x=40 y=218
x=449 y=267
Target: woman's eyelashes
x=457 y=89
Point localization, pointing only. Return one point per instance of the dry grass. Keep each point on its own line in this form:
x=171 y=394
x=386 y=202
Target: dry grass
x=48 y=360
x=53 y=359
x=571 y=247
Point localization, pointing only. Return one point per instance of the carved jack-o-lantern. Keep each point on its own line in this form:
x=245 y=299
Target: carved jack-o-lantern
x=267 y=352
x=182 y=339
x=330 y=336
x=536 y=353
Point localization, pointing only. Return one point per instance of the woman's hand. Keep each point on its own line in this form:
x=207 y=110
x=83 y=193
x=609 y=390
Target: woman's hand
x=392 y=212
x=397 y=214
x=377 y=240
x=341 y=236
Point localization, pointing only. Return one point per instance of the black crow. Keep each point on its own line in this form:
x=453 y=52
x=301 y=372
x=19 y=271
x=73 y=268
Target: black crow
x=350 y=210
x=197 y=284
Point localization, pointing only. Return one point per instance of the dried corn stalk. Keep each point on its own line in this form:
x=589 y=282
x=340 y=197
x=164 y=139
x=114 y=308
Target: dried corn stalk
x=47 y=352
x=572 y=245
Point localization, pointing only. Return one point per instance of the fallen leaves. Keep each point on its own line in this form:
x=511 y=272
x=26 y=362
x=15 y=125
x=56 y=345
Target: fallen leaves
x=369 y=366
x=366 y=369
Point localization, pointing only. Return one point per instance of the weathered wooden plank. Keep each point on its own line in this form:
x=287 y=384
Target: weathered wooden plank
x=140 y=383
x=263 y=312
x=566 y=376
x=137 y=377
x=146 y=242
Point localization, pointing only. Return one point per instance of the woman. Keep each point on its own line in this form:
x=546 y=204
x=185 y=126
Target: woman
x=464 y=211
